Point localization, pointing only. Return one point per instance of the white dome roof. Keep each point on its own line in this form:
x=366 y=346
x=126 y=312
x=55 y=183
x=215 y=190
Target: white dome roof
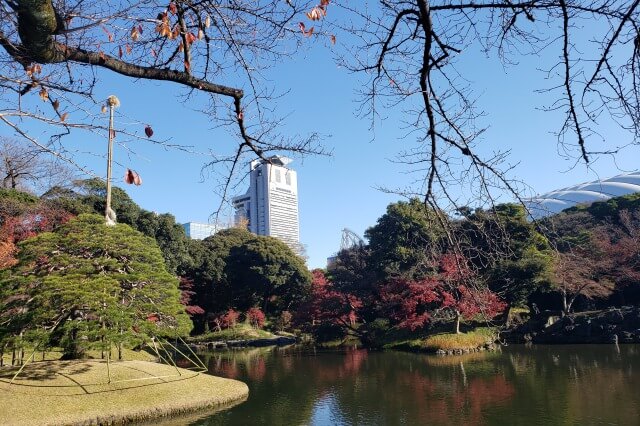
x=585 y=193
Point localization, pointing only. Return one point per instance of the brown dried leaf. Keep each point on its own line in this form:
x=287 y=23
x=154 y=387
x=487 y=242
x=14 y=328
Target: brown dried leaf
x=317 y=13
x=64 y=116
x=148 y=131
x=44 y=94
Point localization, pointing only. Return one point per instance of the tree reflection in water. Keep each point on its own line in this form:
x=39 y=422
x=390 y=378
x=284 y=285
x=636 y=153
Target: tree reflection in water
x=518 y=385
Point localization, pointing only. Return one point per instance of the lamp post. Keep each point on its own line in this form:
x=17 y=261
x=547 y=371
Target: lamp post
x=110 y=216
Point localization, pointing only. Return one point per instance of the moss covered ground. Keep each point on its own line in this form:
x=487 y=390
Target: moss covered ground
x=77 y=392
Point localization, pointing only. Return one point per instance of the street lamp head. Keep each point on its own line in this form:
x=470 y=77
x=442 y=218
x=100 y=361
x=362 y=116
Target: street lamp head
x=113 y=101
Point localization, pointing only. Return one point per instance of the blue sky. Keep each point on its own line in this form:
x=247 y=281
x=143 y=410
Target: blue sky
x=337 y=191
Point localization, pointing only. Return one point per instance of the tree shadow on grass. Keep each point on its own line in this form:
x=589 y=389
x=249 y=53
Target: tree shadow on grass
x=43 y=370
x=37 y=374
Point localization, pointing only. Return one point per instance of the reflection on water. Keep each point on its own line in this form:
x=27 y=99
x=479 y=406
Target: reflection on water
x=516 y=386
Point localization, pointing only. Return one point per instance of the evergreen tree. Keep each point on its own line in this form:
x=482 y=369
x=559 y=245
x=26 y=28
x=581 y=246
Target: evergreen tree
x=266 y=273
x=508 y=251
x=88 y=285
x=405 y=240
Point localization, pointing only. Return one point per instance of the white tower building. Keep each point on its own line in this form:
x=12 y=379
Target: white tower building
x=271 y=204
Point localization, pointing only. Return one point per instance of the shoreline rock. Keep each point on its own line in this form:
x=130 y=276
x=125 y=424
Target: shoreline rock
x=614 y=325
x=462 y=351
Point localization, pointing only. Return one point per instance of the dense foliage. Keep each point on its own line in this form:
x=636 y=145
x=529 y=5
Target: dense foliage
x=89 y=285
x=235 y=270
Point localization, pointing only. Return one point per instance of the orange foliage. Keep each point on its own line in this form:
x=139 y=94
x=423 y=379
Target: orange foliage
x=7 y=254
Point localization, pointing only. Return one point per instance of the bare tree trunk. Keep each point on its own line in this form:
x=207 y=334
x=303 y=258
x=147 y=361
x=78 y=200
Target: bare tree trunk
x=458 y=318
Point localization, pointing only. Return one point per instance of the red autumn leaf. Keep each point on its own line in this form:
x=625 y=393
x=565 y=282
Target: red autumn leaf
x=148 y=131
x=303 y=28
x=172 y=8
x=107 y=32
x=333 y=39
x=120 y=51
x=132 y=177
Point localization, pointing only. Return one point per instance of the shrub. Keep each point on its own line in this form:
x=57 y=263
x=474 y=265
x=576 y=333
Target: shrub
x=256 y=317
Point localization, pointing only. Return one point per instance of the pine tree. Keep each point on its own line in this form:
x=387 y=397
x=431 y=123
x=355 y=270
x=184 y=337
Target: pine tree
x=87 y=285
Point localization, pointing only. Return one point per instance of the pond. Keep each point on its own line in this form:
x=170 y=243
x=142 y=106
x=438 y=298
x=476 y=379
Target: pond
x=517 y=385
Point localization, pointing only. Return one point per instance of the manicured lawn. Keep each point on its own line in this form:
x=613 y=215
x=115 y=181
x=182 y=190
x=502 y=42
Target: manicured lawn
x=469 y=340
x=240 y=331
x=448 y=341
x=76 y=392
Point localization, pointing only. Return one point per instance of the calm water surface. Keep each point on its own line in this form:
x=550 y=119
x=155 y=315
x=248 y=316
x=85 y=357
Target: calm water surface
x=555 y=385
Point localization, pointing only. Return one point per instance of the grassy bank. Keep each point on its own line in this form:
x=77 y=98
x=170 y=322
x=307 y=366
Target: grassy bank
x=76 y=392
x=241 y=331
x=470 y=340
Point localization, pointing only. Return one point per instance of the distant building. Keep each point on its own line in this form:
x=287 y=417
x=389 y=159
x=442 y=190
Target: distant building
x=583 y=194
x=332 y=261
x=270 y=205
x=200 y=231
